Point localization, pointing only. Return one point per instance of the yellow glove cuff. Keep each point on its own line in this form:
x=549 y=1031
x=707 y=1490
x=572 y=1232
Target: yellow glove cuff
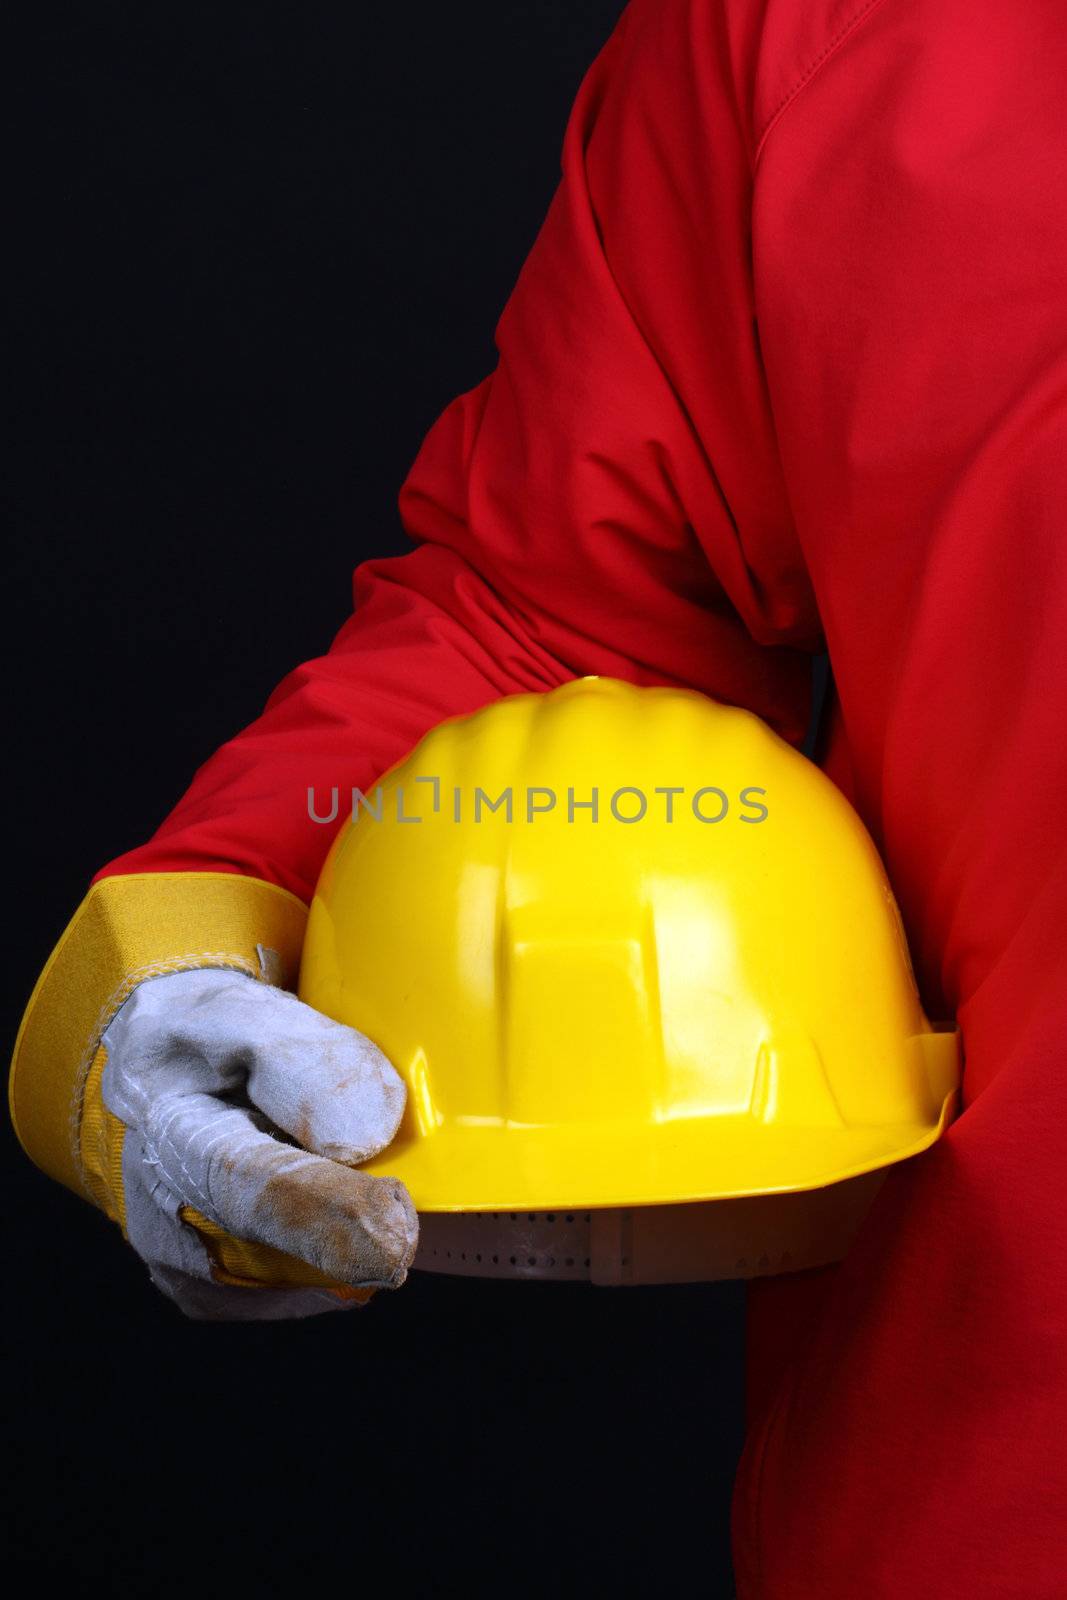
x=128 y=929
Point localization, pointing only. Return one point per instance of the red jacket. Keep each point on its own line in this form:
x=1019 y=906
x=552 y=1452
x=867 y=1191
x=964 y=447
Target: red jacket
x=786 y=368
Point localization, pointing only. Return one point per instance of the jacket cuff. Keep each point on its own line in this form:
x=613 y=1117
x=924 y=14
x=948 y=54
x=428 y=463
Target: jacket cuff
x=129 y=928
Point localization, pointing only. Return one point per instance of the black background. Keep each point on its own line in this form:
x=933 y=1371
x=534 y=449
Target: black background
x=257 y=250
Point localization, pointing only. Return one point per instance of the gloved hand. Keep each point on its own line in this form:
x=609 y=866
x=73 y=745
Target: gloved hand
x=252 y=1109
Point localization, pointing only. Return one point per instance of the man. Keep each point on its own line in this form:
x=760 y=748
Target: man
x=784 y=370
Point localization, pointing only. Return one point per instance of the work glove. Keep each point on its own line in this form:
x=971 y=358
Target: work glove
x=246 y=1114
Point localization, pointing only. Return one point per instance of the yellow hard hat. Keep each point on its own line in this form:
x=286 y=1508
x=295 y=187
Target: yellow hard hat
x=627 y=948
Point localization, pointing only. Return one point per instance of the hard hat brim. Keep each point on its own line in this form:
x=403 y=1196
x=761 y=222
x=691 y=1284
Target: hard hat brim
x=505 y=1167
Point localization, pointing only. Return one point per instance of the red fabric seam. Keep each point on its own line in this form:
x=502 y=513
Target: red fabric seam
x=809 y=74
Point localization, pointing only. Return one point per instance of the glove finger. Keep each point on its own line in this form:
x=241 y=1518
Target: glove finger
x=327 y=1085
x=217 y=1032
x=180 y=1265
x=357 y=1229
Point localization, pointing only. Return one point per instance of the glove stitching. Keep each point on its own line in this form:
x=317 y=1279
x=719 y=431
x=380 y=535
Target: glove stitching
x=157 y=1147
x=207 y=1204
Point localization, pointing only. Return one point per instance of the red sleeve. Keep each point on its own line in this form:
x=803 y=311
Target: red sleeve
x=609 y=500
